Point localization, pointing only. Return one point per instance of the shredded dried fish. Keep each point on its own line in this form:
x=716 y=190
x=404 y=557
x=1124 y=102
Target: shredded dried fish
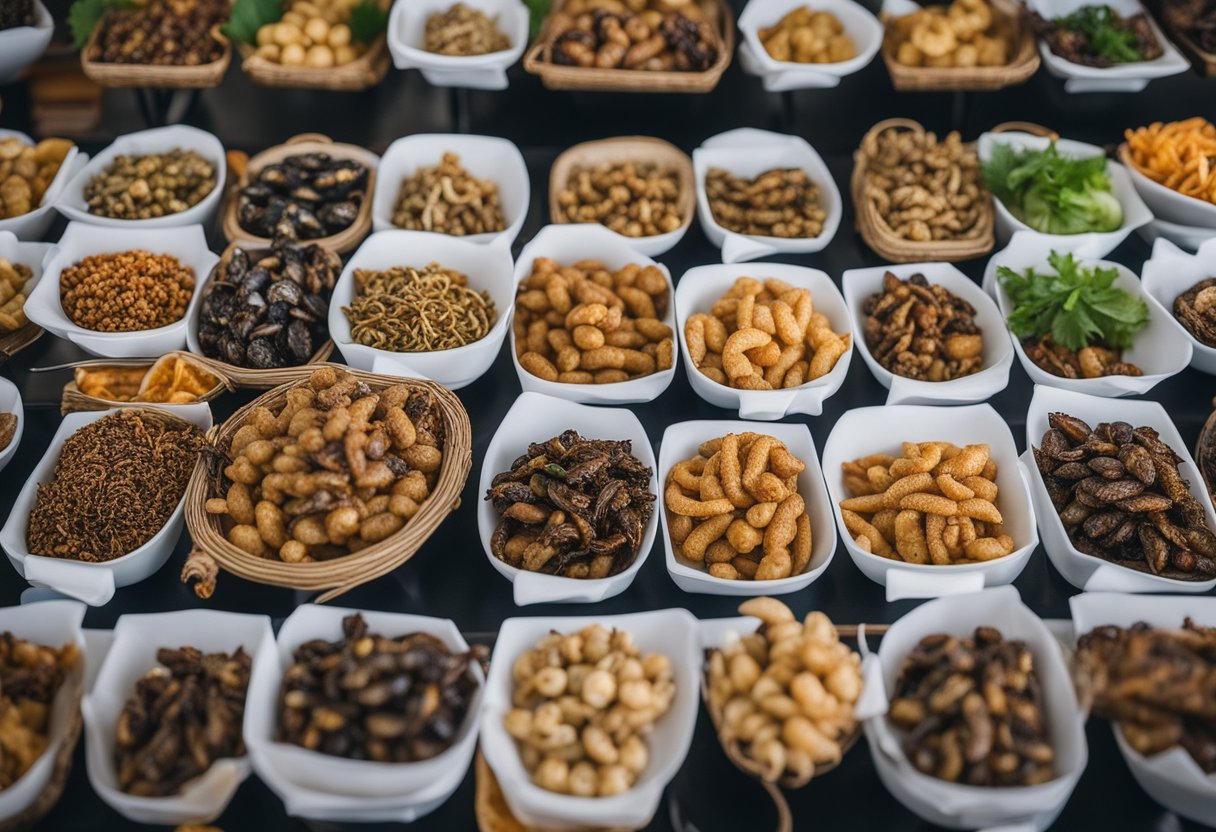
x=406 y=309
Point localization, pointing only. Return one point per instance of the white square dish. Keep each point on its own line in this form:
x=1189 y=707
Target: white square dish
x=778 y=76
x=1168 y=273
x=406 y=28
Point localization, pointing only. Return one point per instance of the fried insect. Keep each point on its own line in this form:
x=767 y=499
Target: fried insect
x=922 y=330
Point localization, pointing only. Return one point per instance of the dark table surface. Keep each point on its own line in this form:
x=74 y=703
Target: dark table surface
x=450 y=576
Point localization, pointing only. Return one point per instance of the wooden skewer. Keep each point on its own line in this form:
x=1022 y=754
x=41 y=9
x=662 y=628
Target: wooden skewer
x=850 y=630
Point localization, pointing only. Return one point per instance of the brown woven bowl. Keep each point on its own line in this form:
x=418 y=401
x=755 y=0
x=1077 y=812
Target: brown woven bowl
x=331 y=578
x=164 y=77
x=365 y=71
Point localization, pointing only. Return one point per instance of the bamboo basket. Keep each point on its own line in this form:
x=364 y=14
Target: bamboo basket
x=74 y=401
x=538 y=60
x=638 y=149
x=365 y=71
x=107 y=74
x=493 y=813
x=17 y=340
x=879 y=236
x=1205 y=452
x=344 y=241
x=331 y=578
x=1023 y=64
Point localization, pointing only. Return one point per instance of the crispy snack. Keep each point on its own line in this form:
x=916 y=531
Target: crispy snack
x=405 y=309
x=26 y=171
x=1097 y=35
x=967 y=33
x=658 y=35
x=573 y=507
x=337 y=469
x=1121 y=498
x=973 y=708
x=925 y=189
x=463 y=31
x=1195 y=309
x=15 y=13
x=922 y=330
x=316 y=34
x=584 y=324
x=114 y=384
x=140 y=187
x=1177 y=155
x=764 y=335
x=171 y=380
x=785 y=694
x=1196 y=18
x=1094 y=361
x=735 y=508
x=804 y=36
x=936 y=504
x=130 y=291
x=1159 y=684
x=782 y=202
x=30 y=677
x=8 y=429
x=447 y=199
x=583 y=704
x=14 y=278
x=636 y=199
x=160 y=33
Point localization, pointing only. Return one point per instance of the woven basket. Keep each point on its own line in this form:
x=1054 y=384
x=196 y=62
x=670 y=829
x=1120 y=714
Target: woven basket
x=1022 y=65
x=17 y=340
x=330 y=577
x=344 y=241
x=1202 y=62
x=73 y=401
x=879 y=236
x=638 y=149
x=538 y=61
x=365 y=71
x=107 y=74
x=493 y=813
x=1205 y=452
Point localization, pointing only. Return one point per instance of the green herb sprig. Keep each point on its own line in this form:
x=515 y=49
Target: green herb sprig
x=84 y=15
x=1108 y=37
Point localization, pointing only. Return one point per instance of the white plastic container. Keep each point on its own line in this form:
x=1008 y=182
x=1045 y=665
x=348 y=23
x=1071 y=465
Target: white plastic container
x=536 y=418
x=1170 y=272
x=881 y=429
x=778 y=76
x=358 y=785
x=1162 y=349
x=34 y=224
x=485 y=157
x=20 y=46
x=680 y=441
x=1189 y=237
x=1129 y=77
x=1093 y=243
x=1086 y=572
x=92 y=583
x=749 y=152
x=10 y=402
x=43 y=306
x=1170 y=205
x=701 y=286
x=488 y=268
x=674 y=633
x=567 y=244
x=860 y=284
x=157 y=140
x=132 y=654
x=1172 y=778
x=406 y=38
x=955 y=805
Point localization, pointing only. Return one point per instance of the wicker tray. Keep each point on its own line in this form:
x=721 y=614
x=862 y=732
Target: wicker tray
x=365 y=71
x=493 y=813
x=538 y=61
x=334 y=577
x=625 y=149
x=347 y=239
x=1022 y=65
x=17 y=340
x=165 y=77
x=73 y=401
x=879 y=236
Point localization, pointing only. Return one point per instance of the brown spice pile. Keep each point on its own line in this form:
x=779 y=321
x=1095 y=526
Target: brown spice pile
x=130 y=291
x=116 y=483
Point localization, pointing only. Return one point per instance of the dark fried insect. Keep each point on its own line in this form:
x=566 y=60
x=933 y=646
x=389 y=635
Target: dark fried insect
x=304 y=197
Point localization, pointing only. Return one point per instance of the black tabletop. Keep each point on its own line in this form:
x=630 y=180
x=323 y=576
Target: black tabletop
x=450 y=576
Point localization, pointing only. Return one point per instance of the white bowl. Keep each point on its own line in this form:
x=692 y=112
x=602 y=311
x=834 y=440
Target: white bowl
x=157 y=140
x=313 y=771
x=93 y=583
x=34 y=224
x=1172 y=778
x=955 y=805
x=860 y=284
x=1092 y=243
x=870 y=430
x=10 y=402
x=700 y=287
x=1162 y=349
x=406 y=27
x=749 y=152
x=1083 y=571
x=536 y=418
x=1189 y=237
x=53 y=624
x=488 y=268
x=1130 y=77
x=132 y=653
x=43 y=307
x=567 y=244
x=671 y=632
x=485 y=157
x=1170 y=205
x=680 y=441
x=779 y=76
x=22 y=45
x=1168 y=273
